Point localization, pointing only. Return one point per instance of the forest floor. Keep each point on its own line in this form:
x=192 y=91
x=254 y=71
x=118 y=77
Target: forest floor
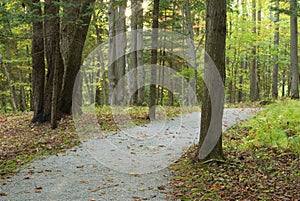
x=75 y=174
x=66 y=169
x=262 y=161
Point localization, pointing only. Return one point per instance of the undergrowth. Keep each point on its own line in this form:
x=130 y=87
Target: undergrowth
x=262 y=161
x=278 y=127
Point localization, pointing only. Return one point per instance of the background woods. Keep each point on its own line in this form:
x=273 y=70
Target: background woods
x=43 y=45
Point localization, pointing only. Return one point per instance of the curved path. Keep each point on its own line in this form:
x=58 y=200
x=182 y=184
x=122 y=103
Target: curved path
x=76 y=175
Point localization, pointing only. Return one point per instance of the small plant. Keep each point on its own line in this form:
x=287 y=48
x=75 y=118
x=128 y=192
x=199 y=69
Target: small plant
x=277 y=126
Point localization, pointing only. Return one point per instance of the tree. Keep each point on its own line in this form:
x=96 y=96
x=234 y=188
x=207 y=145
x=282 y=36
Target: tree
x=294 y=93
x=74 y=50
x=276 y=45
x=53 y=56
x=38 y=61
x=133 y=53
x=213 y=95
x=253 y=67
x=117 y=50
x=140 y=58
x=63 y=53
x=153 y=93
x=121 y=43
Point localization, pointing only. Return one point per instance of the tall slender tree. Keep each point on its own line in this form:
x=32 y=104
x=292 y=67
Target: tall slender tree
x=140 y=57
x=253 y=67
x=153 y=92
x=276 y=45
x=294 y=93
x=133 y=53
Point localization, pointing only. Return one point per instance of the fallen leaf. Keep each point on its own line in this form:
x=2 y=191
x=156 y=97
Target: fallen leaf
x=162 y=187
x=84 y=181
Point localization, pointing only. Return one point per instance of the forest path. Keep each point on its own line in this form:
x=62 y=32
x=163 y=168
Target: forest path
x=76 y=175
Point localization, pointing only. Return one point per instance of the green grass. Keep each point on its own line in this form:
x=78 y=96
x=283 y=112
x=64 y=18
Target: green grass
x=278 y=127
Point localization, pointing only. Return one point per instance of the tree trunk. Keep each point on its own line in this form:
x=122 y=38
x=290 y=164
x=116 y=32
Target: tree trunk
x=38 y=62
x=258 y=60
x=276 y=45
x=22 y=98
x=140 y=57
x=210 y=142
x=74 y=59
x=133 y=54
x=154 y=60
x=283 y=84
x=52 y=55
x=241 y=79
x=55 y=88
x=294 y=93
x=253 y=69
x=12 y=98
x=190 y=42
x=121 y=43
x=112 y=52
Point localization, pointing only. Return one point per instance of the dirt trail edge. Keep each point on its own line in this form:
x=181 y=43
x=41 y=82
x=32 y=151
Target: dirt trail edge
x=76 y=175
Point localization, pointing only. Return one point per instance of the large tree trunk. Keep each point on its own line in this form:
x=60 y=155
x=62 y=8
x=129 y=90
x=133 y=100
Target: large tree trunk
x=154 y=60
x=121 y=43
x=74 y=59
x=294 y=93
x=38 y=63
x=53 y=56
x=276 y=45
x=210 y=143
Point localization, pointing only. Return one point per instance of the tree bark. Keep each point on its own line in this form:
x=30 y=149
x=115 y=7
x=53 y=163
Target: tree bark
x=74 y=60
x=140 y=57
x=189 y=27
x=294 y=93
x=210 y=143
x=121 y=43
x=133 y=54
x=38 y=62
x=52 y=55
x=253 y=66
x=154 y=59
x=112 y=53
x=241 y=78
x=55 y=88
x=276 y=45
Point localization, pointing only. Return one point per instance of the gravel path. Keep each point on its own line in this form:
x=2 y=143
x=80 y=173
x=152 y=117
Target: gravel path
x=78 y=174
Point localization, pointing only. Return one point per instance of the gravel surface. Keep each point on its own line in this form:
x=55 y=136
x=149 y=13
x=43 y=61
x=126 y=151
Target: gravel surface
x=86 y=173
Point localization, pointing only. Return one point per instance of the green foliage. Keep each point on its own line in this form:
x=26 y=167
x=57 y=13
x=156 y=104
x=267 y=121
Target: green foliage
x=277 y=126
